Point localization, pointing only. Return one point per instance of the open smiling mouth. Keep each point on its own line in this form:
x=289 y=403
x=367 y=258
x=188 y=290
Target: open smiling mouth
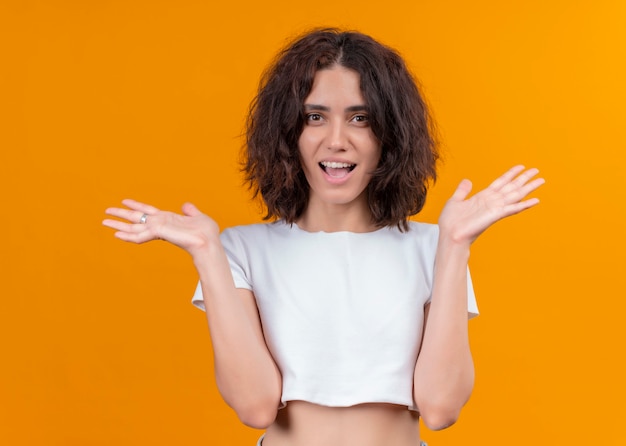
x=336 y=170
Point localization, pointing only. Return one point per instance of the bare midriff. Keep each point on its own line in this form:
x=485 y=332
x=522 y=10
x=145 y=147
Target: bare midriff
x=373 y=424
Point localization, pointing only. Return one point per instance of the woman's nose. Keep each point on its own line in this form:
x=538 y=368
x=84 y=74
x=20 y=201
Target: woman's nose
x=337 y=137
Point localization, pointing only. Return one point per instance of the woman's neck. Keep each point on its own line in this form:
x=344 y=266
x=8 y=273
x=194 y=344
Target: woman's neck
x=334 y=218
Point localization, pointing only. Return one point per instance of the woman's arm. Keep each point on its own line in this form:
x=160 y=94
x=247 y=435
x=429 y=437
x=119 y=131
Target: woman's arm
x=444 y=372
x=245 y=371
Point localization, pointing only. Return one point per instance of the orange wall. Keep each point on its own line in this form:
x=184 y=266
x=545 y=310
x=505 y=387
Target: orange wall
x=103 y=100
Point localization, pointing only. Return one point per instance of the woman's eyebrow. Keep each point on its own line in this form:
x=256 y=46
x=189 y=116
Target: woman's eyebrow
x=310 y=107
x=352 y=108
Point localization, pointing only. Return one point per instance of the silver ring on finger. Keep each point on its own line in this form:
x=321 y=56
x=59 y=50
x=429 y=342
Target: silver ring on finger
x=143 y=219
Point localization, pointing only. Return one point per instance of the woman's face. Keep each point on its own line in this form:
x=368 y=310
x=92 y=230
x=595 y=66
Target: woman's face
x=338 y=149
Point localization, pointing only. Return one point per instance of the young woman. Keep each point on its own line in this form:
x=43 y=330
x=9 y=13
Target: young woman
x=340 y=322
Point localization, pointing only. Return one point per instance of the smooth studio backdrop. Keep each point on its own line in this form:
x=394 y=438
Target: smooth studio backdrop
x=104 y=100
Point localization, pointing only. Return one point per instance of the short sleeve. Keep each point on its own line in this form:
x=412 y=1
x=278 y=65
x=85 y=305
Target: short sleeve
x=472 y=306
x=238 y=261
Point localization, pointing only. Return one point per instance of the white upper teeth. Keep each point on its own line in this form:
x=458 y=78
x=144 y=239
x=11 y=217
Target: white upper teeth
x=335 y=165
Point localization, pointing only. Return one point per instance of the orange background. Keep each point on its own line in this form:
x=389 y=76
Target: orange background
x=103 y=100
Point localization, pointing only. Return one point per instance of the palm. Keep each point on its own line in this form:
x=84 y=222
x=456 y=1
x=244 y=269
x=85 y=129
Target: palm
x=190 y=231
x=464 y=219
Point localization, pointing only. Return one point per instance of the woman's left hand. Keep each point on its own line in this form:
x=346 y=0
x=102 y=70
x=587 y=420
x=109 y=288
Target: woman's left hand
x=464 y=219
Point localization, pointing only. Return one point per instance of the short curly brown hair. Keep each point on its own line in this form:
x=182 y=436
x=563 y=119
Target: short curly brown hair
x=398 y=116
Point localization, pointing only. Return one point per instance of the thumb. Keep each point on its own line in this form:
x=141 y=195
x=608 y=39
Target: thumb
x=462 y=190
x=190 y=210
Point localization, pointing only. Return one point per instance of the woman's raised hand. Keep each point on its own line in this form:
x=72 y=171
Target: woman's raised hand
x=191 y=231
x=464 y=219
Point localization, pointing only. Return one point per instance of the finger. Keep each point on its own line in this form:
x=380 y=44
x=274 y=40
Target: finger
x=126 y=214
x=516 y=208
x=519 y=193
x=526 y=176
x=122 y=226
x=140 y=237
x=507 y=177
x=530 y=187
x=191 y=210
x=141 y=207
x=462 y=190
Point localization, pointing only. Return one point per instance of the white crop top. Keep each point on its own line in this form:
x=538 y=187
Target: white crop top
x=342 y=312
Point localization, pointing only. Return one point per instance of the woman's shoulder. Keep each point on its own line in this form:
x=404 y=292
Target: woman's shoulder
x=423 y=236
x=254 y=231
x=421 y=229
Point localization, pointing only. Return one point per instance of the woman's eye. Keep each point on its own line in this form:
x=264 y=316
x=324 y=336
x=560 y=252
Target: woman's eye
x=313 y=117
x=361 y=118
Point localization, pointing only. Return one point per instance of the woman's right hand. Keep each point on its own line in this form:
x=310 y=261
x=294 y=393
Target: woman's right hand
x=245 y=371
x=192 y=231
